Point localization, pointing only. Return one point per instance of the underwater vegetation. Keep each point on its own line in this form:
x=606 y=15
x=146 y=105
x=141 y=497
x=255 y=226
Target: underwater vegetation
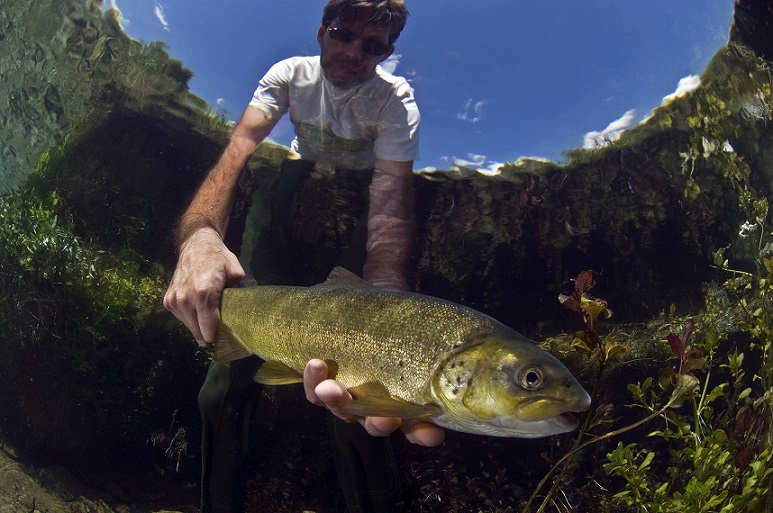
x=673 y=219
x=711 y=451
x=86 y=354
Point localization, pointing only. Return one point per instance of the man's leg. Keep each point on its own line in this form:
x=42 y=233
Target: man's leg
x=366 y=465
x=227 y=401
x=367 y=468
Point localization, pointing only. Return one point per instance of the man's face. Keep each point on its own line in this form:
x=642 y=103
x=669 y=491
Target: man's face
x=347 y=50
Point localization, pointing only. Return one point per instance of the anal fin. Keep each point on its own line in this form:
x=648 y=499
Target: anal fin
x=277 y=373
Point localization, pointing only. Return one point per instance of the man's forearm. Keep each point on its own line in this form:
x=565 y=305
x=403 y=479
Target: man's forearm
x=211 y=206
x=391 y=230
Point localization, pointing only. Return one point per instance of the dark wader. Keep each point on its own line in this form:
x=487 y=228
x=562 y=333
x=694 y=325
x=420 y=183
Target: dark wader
x=366 y=466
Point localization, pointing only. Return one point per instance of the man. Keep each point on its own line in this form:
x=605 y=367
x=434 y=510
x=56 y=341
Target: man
x=348 y=114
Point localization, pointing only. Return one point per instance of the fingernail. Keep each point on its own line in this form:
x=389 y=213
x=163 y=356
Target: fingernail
x=317 y=369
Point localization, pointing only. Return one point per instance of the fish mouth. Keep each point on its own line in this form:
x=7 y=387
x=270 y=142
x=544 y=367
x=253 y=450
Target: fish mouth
x=555 y=425
x=532 y=410
x=568 y=419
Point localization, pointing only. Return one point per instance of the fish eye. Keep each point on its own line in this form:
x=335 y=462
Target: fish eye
x=531 y=378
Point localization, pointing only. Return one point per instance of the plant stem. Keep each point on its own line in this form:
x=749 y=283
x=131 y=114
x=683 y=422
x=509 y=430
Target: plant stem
x=580 y=446
x=572 y=451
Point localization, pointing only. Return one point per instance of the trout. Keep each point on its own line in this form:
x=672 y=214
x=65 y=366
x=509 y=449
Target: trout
x=403 y=354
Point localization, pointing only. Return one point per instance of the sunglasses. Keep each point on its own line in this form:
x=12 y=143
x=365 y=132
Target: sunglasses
x=369 y=45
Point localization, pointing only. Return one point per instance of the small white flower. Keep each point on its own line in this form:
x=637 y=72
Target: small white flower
x=747 y=228
x=708 y=147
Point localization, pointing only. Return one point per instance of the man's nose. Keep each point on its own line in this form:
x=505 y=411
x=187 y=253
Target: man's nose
x=354 y=48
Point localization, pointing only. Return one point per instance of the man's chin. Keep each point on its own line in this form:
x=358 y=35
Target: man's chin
x=345 y=82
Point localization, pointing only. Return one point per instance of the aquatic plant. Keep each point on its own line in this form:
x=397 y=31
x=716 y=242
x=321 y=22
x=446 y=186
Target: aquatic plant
x=715 y=451
x=589 y=340
x=84 y=321
x=716 y=456
x=720 y=457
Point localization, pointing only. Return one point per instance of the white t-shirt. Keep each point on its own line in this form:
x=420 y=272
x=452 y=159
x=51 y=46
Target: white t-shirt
x=345 y=128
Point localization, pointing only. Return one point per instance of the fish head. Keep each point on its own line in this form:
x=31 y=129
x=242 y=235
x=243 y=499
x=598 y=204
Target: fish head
x=507 y=386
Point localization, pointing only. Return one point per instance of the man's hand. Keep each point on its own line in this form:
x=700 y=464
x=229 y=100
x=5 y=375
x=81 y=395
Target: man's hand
x=204 y=269
x=331 y=394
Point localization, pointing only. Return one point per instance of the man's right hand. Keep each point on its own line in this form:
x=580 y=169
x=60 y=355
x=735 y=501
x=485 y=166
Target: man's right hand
x=205 y=267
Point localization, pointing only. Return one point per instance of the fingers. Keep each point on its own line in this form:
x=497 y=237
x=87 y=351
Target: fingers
x=423 y=433
x=381 y=426
x=326 y=392
x=314 y=374
x=333 y=395
x=195 y=306
x=204 y=269
x=208 y=317
x=188 y=316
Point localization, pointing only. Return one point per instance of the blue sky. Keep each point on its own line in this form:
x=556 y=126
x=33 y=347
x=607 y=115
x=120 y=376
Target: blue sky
x=495 y=80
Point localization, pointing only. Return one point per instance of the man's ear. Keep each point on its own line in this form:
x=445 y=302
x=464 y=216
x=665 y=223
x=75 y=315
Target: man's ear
x=321 y=33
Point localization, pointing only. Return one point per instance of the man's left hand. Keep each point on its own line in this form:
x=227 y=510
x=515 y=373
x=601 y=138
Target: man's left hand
x=332 y=395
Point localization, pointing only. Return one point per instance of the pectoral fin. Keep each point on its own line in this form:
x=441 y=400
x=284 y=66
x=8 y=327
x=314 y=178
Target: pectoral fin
x=390 y=407
x=228 y=346
x=277 y=373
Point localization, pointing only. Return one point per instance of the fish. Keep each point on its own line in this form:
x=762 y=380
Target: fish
x=403 y=354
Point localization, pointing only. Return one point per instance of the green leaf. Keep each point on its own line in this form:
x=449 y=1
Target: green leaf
x=686 y=384
x=768 y=262
x=647 y=460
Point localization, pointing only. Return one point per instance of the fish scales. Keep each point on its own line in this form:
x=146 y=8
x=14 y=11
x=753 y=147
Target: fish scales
x=370 y=331
x=403 y=355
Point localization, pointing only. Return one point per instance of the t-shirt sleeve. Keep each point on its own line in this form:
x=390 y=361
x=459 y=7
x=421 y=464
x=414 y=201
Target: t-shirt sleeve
x=398 y=127
x=273 y=93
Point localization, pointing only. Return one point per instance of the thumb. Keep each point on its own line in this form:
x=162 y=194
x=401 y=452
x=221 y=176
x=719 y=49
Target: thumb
x=234 y=273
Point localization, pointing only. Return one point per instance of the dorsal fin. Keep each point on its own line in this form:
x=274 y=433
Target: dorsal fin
x=340 y=276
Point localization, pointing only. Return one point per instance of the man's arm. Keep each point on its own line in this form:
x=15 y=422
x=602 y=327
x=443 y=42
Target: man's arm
x=391 y=242
x=205 y=266
x=391 y=225
x=211 y=206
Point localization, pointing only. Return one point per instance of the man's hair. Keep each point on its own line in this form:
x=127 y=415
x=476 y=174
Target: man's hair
x=388 y=13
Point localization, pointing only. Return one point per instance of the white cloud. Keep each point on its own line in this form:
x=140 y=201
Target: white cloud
x=472 y=111
x=390 y=65
x=686 y=85
x=610 y=133
x=158 y=11
x=475 y=161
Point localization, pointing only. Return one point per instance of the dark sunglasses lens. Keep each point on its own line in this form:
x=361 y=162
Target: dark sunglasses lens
x=374 y=47
x=341 y=35
x=369 y=46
